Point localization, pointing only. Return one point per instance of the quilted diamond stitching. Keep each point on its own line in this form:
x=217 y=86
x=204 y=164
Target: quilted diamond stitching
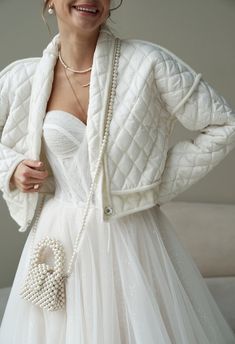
x=139 y=116
x=120 y=156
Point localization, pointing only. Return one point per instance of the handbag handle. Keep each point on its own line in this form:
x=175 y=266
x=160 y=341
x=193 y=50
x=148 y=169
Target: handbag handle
x=58 y=254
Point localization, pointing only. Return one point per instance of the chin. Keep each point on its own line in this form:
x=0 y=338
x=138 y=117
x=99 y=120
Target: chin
x=86 y=27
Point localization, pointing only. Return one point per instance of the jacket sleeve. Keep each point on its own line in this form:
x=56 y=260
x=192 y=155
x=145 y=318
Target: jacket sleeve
x=9 y=159
x=191 y=100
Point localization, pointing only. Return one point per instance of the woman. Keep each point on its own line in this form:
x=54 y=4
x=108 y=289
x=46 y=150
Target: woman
x=131 y=281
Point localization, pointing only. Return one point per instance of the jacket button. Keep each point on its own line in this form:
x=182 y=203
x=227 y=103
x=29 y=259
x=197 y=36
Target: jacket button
x=108 y=210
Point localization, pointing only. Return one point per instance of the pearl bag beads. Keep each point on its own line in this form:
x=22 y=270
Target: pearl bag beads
x=45 y=284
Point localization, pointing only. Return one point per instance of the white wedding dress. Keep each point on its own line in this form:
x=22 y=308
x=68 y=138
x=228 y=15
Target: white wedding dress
x=132 y=282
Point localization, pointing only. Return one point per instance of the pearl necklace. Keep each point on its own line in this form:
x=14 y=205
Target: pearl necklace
x=112 y=92
x=71 y=69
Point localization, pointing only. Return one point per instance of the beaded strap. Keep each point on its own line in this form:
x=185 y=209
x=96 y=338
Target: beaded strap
x=112 y=91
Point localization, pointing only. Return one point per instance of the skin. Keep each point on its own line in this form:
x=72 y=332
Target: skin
x=78 y=37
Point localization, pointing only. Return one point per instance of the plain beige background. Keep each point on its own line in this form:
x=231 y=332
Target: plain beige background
x=200 y=32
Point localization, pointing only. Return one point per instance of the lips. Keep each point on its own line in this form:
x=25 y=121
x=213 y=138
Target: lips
x=86 y=8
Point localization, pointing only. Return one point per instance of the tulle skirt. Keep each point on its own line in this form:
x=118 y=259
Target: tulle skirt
x=132 y=283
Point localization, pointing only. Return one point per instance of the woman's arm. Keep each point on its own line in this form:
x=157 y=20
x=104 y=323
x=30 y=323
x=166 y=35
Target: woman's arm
x=9 y=159
x=191 y=100
x=16 y=171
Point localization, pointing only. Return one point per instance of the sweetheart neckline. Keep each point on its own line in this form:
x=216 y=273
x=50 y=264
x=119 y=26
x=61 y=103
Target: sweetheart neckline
x=70 y=115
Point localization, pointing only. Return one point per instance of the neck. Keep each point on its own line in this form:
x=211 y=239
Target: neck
x=77 y=50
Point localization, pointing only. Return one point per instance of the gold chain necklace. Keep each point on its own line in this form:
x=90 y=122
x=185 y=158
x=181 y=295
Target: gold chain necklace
x=74 y=71
x=71 y=69
x=82 y=85
x=75 y=95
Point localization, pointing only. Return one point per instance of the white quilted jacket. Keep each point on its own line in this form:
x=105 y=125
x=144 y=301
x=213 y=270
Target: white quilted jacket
x=155 y=88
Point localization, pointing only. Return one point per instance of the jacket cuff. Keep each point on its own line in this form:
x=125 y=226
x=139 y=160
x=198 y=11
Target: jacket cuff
x=7 y=187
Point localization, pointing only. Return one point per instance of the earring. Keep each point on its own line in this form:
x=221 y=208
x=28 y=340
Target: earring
x=51 y=9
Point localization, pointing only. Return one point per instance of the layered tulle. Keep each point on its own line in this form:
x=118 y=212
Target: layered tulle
x=132 y=283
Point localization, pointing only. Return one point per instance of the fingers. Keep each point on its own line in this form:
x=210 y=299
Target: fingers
x=33 y=163
x=30 y=184
x=29 y=175
x=32 y=181
x=28 y=188
x=33 y=169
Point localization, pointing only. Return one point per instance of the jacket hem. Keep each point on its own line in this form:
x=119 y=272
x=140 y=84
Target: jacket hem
x=132 y=211
x=138 y=189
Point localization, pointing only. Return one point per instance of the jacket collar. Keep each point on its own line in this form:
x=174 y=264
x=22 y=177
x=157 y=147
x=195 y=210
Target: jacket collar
x=99 y=85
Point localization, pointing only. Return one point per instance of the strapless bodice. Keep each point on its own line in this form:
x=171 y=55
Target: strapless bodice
x=63 y=133
x=65 y=143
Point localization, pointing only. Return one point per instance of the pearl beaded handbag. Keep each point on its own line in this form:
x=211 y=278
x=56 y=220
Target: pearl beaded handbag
x=45 y=283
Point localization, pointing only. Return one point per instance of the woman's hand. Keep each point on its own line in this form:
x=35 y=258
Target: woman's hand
x=28 y=176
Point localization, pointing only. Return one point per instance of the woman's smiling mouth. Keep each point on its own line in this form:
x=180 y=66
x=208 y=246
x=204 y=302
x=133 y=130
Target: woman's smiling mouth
x=86 y=9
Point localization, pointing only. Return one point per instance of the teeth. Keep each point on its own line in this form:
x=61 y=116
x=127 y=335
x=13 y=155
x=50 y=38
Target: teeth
x=84 y=9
